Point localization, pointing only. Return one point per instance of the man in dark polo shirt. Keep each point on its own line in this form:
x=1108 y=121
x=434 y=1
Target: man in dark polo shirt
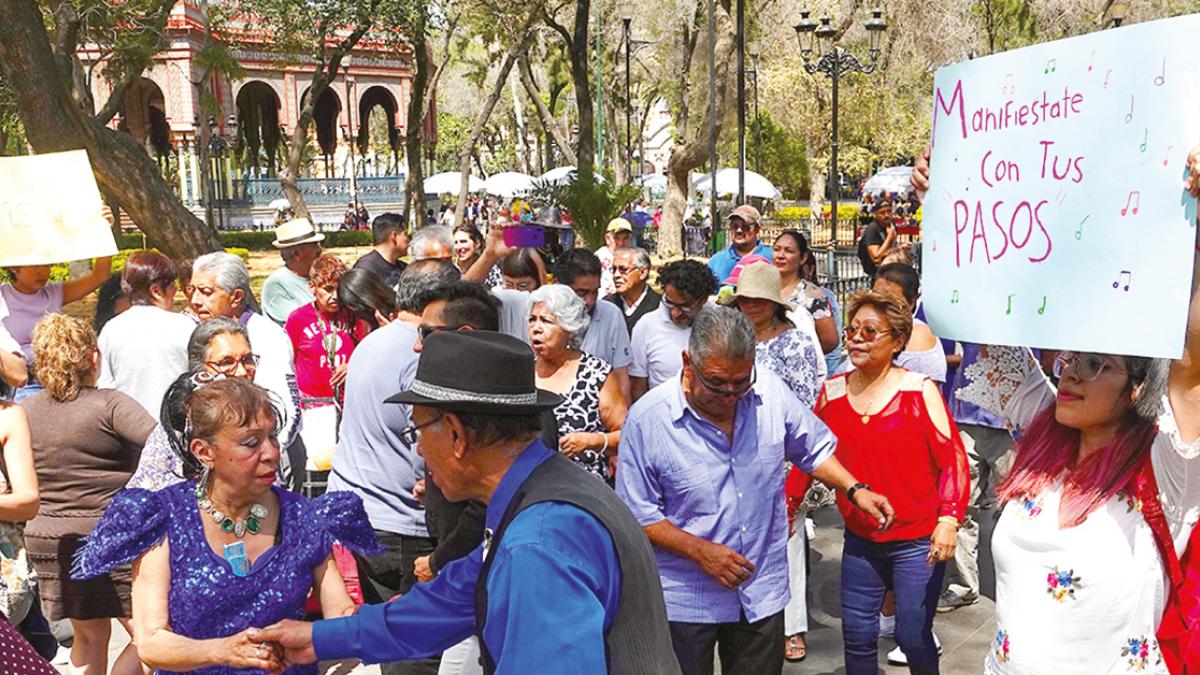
x=391 y=244
x=634 y=297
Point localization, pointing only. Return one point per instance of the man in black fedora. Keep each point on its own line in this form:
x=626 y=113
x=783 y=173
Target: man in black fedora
x=565 y=581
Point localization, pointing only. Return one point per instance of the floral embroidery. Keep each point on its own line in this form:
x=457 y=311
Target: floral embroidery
x=1030 y=507
x=1062 y=584
x=1002 y=646
x=1137 y=652
x=1131 y=503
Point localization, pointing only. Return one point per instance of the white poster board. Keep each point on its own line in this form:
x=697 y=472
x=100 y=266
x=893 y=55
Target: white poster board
x=50 y=210
x=1056 y=215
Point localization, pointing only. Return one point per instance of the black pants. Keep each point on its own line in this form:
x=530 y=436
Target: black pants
x=389 y=574
x=745 y=648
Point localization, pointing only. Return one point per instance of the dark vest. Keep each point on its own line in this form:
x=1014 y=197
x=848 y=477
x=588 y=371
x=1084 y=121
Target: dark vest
x=638 y=641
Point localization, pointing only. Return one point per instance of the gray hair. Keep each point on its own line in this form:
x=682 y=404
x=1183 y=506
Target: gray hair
x=1152 y=375
x=427 y=237
x=229 y=272
x=721 y=331
x=203 y=335
x=641 y=259
x=567 y=308
x=421 y=277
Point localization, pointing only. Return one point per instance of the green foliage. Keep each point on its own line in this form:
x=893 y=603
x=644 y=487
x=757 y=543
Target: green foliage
x=261 y=241
x=12 y=131
x=61 y=271
x=453 y=132
x=590 y=203
x=782 y=158
x=802 y=214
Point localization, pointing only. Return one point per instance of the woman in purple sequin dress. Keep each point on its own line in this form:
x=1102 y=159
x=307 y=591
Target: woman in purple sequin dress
x=193 y=607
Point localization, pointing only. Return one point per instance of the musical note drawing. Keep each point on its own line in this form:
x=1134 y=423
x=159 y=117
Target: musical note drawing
x=954 y=298
x=1161 y=78
x=1042 y=309
x=1167 y=159
x=1051 y=66
x=1129 y=116
x=1106 y=77
x=1010 y=84
x=1128 y=278
x=1145 y=139
x=1010 y=297
x=1091 y=62
x=1135 y=197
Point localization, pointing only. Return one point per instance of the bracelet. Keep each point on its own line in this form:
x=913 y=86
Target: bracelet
x=855 y=488
x=948 y=520
x=604 y=450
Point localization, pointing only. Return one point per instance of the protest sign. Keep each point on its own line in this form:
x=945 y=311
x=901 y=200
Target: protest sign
x=1056 y=215
x=50 y=210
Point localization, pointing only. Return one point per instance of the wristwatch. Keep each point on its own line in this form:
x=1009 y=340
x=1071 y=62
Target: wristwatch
x=855 y=488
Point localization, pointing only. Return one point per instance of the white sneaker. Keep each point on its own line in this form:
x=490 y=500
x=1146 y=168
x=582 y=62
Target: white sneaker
x=62 y=657
x=887 y=626
x=896 y=657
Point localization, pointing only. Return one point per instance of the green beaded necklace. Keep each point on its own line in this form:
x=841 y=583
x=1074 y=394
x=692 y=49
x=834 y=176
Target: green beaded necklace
x=239 y=527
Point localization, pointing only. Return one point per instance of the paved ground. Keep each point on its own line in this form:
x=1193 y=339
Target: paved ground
x=965 y=633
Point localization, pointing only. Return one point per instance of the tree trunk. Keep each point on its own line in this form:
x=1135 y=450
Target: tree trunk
x=692 y=152
x=53 y=122
x=464 y=157
x=414 y=191
x=561 y=136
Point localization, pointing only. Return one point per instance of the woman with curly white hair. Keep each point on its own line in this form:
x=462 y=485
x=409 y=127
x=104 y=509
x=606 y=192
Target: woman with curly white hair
x=593 y=410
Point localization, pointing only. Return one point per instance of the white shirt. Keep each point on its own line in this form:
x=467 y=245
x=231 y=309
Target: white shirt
x=657 y=345
x=607 y=285
x=606 y=336
x=276 y=372
x=1089 y=598
x=142 y=351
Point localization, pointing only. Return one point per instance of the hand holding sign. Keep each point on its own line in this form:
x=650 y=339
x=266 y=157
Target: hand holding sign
x=50 y=210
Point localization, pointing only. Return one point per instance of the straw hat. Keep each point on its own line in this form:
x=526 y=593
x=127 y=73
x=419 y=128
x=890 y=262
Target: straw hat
x=295 y=232
x=760 y=281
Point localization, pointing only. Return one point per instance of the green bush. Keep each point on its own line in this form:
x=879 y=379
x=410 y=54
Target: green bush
x=804 y=213
x=60 y=271
x=250 y=240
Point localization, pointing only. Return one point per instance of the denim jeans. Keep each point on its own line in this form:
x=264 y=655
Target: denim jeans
x=869 y=569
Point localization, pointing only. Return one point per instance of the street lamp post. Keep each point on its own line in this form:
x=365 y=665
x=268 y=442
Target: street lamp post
x=754 y=48
x=833 y=61
x=626 y=20
x=741 y=103
x=350 y=131
x=216 y=181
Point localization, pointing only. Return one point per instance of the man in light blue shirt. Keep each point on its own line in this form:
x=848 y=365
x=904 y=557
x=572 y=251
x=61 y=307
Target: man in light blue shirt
x=701 y=465
x=299 y=244
x=743 y=236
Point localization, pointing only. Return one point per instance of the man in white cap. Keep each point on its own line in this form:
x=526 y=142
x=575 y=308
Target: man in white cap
x=287 y=288
x=618 y=234
x=743 y=240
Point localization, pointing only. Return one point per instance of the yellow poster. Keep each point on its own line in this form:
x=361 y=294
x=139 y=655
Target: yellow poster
x=50 y=210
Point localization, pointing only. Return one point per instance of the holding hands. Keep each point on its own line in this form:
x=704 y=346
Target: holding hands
x=290 y=640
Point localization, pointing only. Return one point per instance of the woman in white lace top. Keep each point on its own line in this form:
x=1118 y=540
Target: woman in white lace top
x=1081 y=586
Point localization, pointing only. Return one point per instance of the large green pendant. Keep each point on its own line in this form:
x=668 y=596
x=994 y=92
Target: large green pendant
x=252 y=525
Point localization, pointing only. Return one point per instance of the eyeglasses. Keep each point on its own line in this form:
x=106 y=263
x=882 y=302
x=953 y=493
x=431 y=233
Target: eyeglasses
x=619 y=269
x=685 y=307
x=409 y=434
x=868 y=332
x=739 y=224
x=1086 y=367
x=228 y=365
x=733 y=393
x=426 y=329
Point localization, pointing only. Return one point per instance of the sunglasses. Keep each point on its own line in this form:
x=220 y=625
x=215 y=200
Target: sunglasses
x=1086 y=367
x=685 y=307
x=739 y=392
x=866 y=331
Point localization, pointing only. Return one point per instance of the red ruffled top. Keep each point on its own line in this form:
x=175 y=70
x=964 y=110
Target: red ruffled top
x=901 y=454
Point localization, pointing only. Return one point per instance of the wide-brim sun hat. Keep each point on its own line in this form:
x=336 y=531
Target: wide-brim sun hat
x=742 y=262
x=758 y=281
x=477 y=371
x=295 y=232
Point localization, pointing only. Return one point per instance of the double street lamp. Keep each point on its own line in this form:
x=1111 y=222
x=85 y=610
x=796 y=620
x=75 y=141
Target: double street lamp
x=833 y=61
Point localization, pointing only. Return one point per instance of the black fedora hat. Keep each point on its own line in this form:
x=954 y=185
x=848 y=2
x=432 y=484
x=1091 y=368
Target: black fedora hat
x=477 y=371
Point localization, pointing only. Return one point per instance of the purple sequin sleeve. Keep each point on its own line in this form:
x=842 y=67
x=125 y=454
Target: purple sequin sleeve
x=344 y=520
x=134 y=522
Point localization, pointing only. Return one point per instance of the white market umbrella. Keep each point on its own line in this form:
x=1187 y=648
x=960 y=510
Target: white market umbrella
x=891 y=179
x=558 y=175
x=727 y=184
x=509 y=184
x=653 y=183
x=448 y=183
x=279 y=205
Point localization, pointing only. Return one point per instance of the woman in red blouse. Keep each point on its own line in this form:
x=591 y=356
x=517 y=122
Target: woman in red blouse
x=896 y=435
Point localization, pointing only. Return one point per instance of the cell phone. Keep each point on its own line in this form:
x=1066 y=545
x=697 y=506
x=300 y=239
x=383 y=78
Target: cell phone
x=525 y=236
x=235 y=555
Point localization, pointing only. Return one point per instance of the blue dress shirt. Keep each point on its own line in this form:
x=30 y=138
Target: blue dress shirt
x=723 y=262
x=553 y=590
x=677 y=465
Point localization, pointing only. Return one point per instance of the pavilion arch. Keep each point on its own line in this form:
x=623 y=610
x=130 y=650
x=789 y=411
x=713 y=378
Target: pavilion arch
x=144 y=116
x=258 y=109
x=325 y=119
x=381 y=97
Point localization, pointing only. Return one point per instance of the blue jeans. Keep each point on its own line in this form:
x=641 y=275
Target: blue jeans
x=869 y=569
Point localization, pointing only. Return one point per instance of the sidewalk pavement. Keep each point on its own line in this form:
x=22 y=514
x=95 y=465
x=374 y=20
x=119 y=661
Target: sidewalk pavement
x=965 y=633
